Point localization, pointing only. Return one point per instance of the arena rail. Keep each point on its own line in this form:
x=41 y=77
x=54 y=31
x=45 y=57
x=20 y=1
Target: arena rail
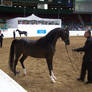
x=7 y=84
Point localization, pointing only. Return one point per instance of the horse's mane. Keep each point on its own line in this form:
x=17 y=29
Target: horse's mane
x=50 y=36
x=52 y=32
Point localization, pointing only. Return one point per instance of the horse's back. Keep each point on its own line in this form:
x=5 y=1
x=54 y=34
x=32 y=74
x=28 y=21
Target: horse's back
x=22 y=45
x=24 y=42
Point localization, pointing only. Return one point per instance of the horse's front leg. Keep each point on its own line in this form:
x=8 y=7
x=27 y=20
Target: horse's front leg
x=50 y=67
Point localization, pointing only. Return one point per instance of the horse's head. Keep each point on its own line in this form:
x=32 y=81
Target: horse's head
x=65 y=36
x=16 y=29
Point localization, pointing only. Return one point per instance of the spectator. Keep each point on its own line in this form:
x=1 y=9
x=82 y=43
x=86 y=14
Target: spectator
x=14 y=35
x=1 y=39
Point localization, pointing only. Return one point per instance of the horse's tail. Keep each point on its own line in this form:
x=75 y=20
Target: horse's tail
x=11 y=57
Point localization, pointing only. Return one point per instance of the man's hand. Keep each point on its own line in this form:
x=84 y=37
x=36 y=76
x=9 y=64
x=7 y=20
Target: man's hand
x=74 y=49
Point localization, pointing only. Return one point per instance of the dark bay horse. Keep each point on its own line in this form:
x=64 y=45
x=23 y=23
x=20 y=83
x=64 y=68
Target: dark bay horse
x=41 y=48
x=22 y=32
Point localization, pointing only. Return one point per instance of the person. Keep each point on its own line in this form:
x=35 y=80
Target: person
x=1 y=39
x=87 y=58
x=14 y=35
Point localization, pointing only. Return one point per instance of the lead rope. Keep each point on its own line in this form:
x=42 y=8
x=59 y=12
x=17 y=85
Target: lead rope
x=70 y=59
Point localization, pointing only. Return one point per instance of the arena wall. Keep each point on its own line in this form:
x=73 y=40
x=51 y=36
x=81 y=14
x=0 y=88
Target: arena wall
x=34 y=32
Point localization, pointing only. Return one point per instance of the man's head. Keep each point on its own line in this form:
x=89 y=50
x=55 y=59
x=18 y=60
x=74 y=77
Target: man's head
x=87 y=34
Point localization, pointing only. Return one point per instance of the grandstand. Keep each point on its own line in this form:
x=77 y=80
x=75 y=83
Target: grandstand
x=27 y=7
x=74 y=13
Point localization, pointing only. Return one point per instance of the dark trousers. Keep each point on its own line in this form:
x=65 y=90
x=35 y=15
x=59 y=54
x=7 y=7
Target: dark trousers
x=1 y=41
x=86 y=66
x=89 y=68
x=14 y=36
x=83 y=70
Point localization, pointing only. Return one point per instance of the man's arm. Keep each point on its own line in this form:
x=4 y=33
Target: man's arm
x=79 y=49
x=85 y=47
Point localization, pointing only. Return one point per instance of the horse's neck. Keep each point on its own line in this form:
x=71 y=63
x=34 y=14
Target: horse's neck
x=53 y=39
x=18 y=31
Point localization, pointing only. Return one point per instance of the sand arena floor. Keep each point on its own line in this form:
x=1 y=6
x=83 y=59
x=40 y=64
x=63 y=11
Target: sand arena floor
x=37 y=78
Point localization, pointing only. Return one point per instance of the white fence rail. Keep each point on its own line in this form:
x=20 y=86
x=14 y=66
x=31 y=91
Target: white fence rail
x=7 y=84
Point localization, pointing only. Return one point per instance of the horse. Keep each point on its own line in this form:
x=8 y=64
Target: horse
x=22 y=32
x=44 y=47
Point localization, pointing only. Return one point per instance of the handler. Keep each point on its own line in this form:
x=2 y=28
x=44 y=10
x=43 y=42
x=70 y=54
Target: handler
x=87 y=58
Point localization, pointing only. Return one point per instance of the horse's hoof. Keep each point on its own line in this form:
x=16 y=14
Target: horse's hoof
x=16 y=73
x=52 y=80
x=54 y=77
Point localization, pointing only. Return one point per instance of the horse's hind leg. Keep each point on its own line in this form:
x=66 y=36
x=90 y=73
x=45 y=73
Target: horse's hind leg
x=15 y=63
x=26 y=34
x=20 y=35
x=21 y=61
x=50 y=67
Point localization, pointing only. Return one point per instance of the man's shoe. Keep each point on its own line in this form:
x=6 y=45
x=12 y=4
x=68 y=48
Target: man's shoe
x=88 y=82
x=81 y=80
